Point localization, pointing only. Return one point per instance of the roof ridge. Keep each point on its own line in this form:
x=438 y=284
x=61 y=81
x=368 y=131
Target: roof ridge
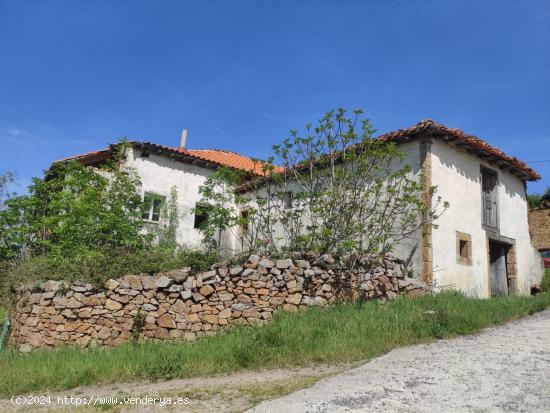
x=219 y=150
x=475 y=143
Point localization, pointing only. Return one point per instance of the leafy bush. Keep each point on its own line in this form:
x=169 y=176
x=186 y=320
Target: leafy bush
x=545 y=285
x=97 y=266
x=73 y=209
x=82 y=223
x=539 y=200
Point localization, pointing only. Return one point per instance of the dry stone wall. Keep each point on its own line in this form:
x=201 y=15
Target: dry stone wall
x=181 y=306
x=539 y=226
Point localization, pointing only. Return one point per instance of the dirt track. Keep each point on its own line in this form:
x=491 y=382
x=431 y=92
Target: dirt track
x=502 y=369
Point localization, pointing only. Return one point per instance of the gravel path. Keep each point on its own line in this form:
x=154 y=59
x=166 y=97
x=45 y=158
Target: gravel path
x=502 y=369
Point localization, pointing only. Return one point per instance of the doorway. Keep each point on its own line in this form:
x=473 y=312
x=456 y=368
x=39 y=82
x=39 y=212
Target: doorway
x=499 y=275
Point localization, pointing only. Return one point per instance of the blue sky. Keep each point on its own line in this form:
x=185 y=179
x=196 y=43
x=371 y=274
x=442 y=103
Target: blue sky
x=77 y=75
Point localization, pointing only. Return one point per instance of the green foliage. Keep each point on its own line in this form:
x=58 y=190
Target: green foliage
x=218 y=195
x=545 y=285
x=84 y=224
x=97 y=266
x=118 y=156
x=164 y=232
x=539 y=200
x=73 y=209
x=340 y=333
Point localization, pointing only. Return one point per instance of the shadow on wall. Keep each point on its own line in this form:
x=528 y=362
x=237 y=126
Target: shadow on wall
x=468 y=166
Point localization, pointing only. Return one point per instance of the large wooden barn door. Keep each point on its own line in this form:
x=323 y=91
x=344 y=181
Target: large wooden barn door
x=499 y=278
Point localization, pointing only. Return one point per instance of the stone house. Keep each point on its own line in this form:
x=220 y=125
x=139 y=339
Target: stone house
x=481 y=244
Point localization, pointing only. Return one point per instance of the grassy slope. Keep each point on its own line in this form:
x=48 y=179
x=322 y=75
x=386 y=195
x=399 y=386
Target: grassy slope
x=345 y=332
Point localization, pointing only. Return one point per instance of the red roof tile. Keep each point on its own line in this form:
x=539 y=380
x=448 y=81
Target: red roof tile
x=468 y=142
x=218 y=157
x=215 y=157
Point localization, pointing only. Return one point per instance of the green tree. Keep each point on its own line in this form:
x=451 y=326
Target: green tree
x=340 y=191
x=539 y=200
x=73 y=209
x=164 y=233
x=219 y=206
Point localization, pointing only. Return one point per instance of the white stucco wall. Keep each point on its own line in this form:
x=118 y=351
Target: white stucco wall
x=159 y=174
x=514 y=223
x=457 y=177
x=408 y=250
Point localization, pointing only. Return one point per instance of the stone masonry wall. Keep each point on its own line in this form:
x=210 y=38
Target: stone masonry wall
x=539 y=227
x=180 y=306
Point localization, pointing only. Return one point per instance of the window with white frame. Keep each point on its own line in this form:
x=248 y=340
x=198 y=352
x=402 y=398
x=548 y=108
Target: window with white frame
x=152 y=206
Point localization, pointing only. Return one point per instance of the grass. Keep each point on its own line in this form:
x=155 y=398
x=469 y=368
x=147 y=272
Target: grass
x=341 y=333
x=545 y=284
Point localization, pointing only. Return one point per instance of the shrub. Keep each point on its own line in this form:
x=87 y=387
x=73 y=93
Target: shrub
x=545 y=285
x=73 y=209
x=97 y=266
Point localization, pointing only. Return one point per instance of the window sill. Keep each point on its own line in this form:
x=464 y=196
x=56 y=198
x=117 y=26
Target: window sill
x=150 y=222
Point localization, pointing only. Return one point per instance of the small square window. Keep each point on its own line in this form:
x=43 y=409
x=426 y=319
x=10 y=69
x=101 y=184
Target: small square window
x=201 y=216
x=152 y=206
x=463 y=248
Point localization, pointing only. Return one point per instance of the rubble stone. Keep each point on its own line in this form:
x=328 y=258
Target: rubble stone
x=178 y=306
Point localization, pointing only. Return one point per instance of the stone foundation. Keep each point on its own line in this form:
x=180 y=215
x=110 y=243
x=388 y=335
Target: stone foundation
x=180 y=306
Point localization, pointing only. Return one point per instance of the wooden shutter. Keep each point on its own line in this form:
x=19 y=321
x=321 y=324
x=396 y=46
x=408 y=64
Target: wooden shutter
x=489 y=190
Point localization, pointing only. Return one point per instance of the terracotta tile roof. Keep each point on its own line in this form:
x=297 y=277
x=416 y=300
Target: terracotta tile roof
x=230 y=159
x=210 y=157
x=219 y=157
x=91 y=154
x=468 y=142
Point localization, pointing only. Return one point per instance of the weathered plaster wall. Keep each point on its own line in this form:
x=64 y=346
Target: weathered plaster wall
x=408 y=250
x=514 y=223
x=180 y=306
x=159 y=174
x=457 y=177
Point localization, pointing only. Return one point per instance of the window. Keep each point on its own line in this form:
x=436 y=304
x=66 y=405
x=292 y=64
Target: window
x=545 y=253
x=489 y=195
x=287 y=199
x=201 y=215
x=463 y=248
x=152 y=205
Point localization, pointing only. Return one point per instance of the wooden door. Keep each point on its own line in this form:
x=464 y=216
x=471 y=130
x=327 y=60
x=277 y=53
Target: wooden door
x=489 y=191
x=499 y=279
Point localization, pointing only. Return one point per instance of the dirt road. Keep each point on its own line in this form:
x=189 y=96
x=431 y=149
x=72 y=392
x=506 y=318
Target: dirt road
x=503 y=369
